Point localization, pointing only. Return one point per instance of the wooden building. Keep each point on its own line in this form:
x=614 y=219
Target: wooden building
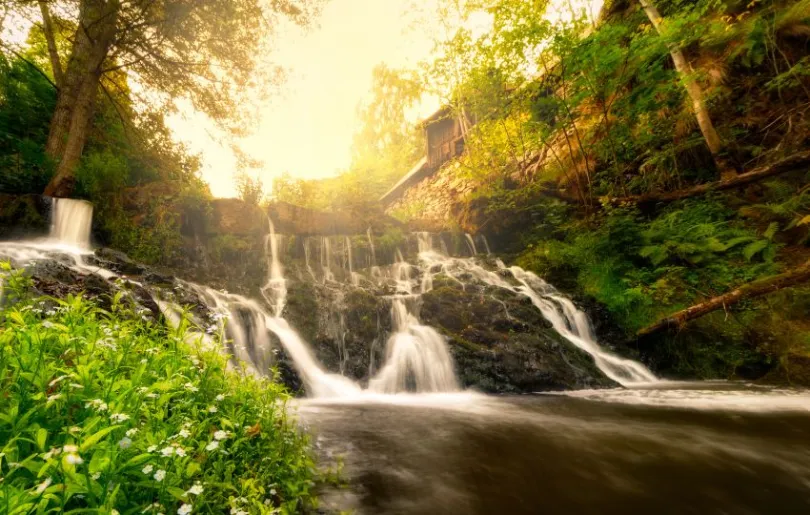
x=444 y=140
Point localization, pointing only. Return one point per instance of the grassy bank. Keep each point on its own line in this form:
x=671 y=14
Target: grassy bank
x=111 y=412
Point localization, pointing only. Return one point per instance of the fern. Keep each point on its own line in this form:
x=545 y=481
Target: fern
x=752 y=249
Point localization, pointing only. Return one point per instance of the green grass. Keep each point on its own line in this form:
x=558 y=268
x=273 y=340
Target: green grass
x=110 y=411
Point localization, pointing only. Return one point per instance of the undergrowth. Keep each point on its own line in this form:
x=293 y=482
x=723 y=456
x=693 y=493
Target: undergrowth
x=111 y=412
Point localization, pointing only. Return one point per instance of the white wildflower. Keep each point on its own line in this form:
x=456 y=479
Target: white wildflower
x=142 y=389
x=70 y=448
x=152 y=395
x=74 y=459
x=221 y=435
x=119 y=417
x=58 y=380
x=190 y=387
x=151 y=448
x=185 y=509
x=148 y=469
x=131 y=432
x=220 y=397
x=180 y=452
x=212 y=409
x=97 y=404
x=167 y=451
x=160 y=475
x=125 y=442
x=55 y=451
x=272 y=491
x=212 y=446
x=54 y=397
x=183 y=433
x=45 y=484
x=76 y=386
x=197 y=489
x=48 y=325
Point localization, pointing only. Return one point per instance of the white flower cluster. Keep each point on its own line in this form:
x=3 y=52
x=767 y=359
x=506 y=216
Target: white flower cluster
x=97 y=404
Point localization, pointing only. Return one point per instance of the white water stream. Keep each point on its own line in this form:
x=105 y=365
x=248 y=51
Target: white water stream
x=417 y=356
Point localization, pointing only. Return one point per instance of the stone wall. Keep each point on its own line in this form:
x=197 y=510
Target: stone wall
x=435 y=202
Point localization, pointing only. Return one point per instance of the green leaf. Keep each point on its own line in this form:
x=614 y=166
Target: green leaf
x=178 y=493
x=138 y=460
x=770 y=232
x=42 y=437
x=755 y=248
x=100 y=461
x=96 y=437
x=193 y=468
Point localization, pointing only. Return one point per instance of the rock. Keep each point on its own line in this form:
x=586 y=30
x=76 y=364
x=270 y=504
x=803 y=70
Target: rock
x=291 y=219
x=118 y=262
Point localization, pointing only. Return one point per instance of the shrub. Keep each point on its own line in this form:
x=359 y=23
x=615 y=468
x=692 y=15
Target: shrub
x=109 y=411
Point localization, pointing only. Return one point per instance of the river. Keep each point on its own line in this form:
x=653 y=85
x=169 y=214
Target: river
x=702 y=448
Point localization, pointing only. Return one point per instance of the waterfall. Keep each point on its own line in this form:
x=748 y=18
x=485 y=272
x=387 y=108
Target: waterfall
x=354 y=278
x=471 y=244
x=306 y=259
x=326 y=259
x=486 y=244
x=71 y=221
x=417 y=358
x=373 y=262
x=275 y=288
x=568 y=320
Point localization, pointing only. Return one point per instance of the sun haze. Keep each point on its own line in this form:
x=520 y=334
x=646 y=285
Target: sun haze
x=306 y=129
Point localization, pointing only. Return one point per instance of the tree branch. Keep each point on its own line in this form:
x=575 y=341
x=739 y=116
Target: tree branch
x=29 y=63
x=746 y=291
x=788 y=164
x=53 y=53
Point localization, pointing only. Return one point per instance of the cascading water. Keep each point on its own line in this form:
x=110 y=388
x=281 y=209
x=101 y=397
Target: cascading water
x=275 y=289
x=471 y=244
x=486 y=244
x=326 y=259
x=417 y=356
x=71 y=222
x=565 y=317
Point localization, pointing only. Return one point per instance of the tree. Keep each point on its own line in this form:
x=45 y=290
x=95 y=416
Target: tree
x=205 y=51
x=695 y=93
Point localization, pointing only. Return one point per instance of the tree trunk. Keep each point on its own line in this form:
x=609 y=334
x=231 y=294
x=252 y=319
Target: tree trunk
x=746 y=291
x=50 y=38
x=70 y=122
x=797 y=161
x=695 y=93
x=63 y=182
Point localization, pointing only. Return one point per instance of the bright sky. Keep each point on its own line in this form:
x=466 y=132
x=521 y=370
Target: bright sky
x=307 y=130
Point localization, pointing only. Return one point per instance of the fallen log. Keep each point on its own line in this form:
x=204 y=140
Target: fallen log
x=746 y=291
x=788 y=164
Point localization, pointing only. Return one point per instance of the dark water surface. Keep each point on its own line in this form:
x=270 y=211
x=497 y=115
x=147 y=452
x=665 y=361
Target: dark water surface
x=694 y=450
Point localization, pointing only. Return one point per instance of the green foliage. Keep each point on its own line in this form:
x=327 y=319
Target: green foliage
x=250 y=189
x=26 y=102
x=384 y=148
x=642 y=269
x=108 y=411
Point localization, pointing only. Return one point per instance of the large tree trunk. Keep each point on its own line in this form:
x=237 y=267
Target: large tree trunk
x=74 y=105
x=746 y=291
x=695 y=93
